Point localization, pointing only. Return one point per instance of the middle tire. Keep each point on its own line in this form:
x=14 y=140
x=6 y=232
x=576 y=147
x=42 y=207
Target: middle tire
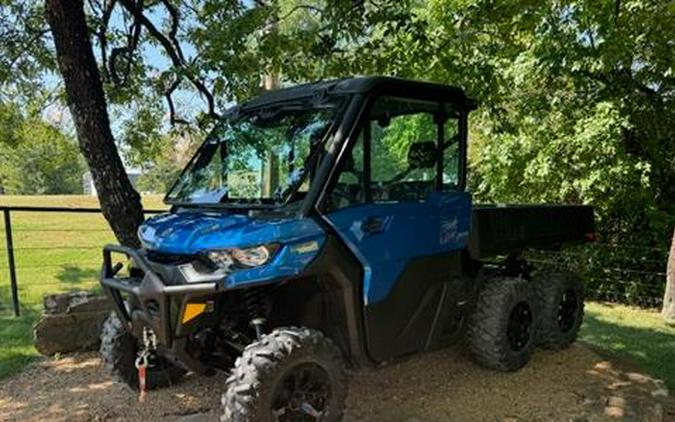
x=501 y=330
x=288 y=375
x=561 y=295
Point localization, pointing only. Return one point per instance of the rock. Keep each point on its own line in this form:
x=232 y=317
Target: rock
x=660 y=392
x=614 y=412
x=638 y=378
x=616 y=401
x=616 y=407
x=58 y=304
x=93 y=304
x=71 y=322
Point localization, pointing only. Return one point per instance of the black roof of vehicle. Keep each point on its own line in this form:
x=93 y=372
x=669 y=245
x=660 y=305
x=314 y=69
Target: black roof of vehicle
x=362 y=85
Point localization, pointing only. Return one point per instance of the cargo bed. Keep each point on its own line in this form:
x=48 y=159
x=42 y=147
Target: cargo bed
x=503 y=229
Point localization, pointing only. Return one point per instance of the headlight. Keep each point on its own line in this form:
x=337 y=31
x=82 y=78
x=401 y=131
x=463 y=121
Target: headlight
x=252 y=257
x=243 y=257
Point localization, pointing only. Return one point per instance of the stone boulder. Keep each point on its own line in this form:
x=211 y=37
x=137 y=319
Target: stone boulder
x=71 y=322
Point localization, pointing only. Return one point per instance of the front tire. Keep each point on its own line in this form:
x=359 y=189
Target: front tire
x=288 y=375
x=118 y=352
x=502 y=328
x=561 y=296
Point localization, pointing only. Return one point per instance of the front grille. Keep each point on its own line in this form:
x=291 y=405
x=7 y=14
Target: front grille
x=167 y=258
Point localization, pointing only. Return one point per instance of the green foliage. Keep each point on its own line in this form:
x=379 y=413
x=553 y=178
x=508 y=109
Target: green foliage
x=141 y=133
x=159 y=175
x=162 y=167
x=37 y=158
x=581 y=159
x=10 y=120
x=25 y=54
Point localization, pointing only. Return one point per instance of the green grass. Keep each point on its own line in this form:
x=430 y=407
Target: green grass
x=16 y=343
x=59 y=252
x=54 y=252
x=637 y=334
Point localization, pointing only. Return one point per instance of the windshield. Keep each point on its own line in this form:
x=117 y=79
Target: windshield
x=266 y=156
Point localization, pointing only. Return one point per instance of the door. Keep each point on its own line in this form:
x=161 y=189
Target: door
x=398 y=205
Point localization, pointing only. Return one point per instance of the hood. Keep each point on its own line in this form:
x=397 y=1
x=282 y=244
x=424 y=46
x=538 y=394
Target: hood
x=188 y=232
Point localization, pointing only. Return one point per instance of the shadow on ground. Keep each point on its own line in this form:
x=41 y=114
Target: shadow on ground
x=74 y=274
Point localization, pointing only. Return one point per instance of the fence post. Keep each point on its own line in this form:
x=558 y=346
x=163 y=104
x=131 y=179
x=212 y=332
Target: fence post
x=10 y=262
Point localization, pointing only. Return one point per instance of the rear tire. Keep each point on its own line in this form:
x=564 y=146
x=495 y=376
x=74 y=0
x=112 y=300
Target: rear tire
x=501 y=330
x=287 y=375
x=118 y=352
x=561 y=297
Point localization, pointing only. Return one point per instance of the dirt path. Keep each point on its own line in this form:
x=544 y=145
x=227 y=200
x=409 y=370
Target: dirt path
x=574 y=385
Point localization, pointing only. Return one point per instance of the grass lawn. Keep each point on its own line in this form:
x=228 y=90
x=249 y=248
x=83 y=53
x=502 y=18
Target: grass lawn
x=58 y=252
x=54 y=252
x=637 y=334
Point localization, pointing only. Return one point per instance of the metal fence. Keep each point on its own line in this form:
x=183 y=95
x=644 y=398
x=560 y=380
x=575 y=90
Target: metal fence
x=40 y=235
x=613 y=272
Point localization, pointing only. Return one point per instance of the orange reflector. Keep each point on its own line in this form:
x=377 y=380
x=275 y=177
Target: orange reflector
x=192 y=311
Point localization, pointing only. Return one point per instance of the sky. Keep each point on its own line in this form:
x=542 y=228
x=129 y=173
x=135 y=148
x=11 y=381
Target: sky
x=187 y=102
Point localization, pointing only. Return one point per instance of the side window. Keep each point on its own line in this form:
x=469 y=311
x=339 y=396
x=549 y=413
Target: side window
x=403 y=150
x=401 y=140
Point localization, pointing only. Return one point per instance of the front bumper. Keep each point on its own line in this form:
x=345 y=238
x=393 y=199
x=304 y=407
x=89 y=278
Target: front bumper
x=143 y=300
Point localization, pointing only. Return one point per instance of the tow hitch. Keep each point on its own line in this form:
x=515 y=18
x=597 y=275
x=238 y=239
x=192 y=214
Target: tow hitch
x=149 y=347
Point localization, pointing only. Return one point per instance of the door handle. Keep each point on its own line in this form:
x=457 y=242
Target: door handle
x=372 y=225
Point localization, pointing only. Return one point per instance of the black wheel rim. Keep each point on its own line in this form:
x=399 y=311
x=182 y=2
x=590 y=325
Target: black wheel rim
x=303 y=395
x=567 y=311
x=520 y=326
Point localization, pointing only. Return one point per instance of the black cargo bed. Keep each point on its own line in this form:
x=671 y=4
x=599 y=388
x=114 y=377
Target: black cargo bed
x=503 y=229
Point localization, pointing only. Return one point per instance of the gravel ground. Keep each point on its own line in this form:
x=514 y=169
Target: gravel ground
x=574 y=385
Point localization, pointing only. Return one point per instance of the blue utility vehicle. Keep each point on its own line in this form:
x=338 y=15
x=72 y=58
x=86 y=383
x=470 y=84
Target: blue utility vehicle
x=324 y=227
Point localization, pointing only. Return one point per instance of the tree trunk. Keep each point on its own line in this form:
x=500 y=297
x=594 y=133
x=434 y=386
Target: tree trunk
x=668 y=311
x=120 y=203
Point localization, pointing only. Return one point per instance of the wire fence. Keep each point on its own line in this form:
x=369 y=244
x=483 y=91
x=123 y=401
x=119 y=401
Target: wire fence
x=53 y=250
x=48 y=250
x=613 y=272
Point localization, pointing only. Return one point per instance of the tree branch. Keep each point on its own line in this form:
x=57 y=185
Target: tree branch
x=174 y=53
x=133 y=35
x=100 y=34
x=169 y=100
x=175 y=20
